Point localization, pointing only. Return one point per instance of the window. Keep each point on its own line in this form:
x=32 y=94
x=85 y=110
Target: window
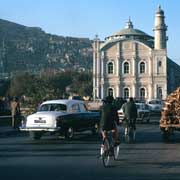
x=126 y=93
x=159 y=63
x=53 y=107
x=159 y=93
x=142 y=67
x=159 y=67
x=44 y=107
x=110 y=92
x=126 y=68
x=110 y=68
x=83 y=107
x=75 y=108
x=142 y=93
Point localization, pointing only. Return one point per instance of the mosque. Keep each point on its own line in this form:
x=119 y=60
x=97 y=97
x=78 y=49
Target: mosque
x=131 y=63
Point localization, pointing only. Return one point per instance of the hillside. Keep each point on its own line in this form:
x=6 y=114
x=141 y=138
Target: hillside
x=31 y=49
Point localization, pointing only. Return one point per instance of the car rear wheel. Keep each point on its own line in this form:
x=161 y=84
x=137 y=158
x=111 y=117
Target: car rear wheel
x=148 y=120
x=35 y=135
x=165 y=135
x=95 y=129
x=69 y=133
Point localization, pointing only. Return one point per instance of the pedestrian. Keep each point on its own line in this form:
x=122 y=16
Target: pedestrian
x=15 y=112
x=130 y=113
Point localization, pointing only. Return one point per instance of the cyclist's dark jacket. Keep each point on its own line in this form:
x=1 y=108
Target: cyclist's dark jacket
x=109 y=117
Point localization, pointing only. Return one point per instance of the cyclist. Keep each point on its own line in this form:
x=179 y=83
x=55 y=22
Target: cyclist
x=130 y=113
x=109 y=119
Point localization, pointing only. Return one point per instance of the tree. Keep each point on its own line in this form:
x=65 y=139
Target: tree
x=82 y=84
x=50 y=87
x=4 y=87
x=59 y=83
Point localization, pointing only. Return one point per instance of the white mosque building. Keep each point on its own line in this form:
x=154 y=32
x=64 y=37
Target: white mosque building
x=131 y=63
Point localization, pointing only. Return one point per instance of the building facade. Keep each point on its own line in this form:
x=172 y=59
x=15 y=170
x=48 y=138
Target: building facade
x=131 y=63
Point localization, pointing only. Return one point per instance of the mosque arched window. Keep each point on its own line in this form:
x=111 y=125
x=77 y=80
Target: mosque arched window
x=110 y=68
x=142 y=67
x=110 y=92
x=159 y=63
x=126 y=68
x=142 y=93
x=159 y=92
x=126 y=93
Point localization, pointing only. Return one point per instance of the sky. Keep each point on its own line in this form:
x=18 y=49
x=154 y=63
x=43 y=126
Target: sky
x=86 y=18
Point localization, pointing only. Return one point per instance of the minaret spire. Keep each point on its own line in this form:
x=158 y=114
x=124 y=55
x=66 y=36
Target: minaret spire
x=160 y=29
x=129 y=24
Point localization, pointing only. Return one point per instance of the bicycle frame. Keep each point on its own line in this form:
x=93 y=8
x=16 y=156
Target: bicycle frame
x=130 y=133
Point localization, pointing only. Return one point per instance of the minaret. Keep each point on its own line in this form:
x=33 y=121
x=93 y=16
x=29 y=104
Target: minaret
x=160 y=30
x=96 y=68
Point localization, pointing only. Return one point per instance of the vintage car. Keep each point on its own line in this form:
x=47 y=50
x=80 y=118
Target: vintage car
x=61 y=116
x=142 y=110
x=155 y=105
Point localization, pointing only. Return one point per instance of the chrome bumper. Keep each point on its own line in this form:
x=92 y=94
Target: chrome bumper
x=39 y=129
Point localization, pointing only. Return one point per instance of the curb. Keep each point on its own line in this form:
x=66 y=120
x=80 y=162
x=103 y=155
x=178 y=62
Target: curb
x=9 y=131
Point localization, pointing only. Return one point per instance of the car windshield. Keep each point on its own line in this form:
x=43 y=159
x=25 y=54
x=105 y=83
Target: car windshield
x=53 y=107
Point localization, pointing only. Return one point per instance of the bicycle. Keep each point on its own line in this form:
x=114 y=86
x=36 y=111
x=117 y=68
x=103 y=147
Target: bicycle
x=130 y=133
x=109 y=149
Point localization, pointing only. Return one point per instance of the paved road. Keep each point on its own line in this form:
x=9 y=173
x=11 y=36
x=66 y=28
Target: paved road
x=58 y=159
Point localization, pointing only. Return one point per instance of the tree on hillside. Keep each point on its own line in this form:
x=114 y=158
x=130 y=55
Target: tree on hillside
x=37 y=88
x=82 y=84
x=29 y=86
x=59 y=83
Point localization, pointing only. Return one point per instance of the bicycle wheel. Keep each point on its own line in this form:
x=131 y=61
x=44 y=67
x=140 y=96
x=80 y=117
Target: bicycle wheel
x=116 y=152
x=126 y=136
x=106 y=153
x=131 y=134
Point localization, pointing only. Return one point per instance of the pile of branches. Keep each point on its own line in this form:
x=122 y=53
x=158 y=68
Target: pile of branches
x=170 y=113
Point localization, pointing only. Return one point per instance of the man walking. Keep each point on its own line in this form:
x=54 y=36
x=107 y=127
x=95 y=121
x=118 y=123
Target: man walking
x=130 y=114
x=15 y=112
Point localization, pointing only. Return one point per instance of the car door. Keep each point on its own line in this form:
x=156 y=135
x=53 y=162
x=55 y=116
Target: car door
x=76 y=116
x=86 y=119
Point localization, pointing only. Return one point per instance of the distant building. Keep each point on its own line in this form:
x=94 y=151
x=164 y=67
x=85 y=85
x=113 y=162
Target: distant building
x=133 y=63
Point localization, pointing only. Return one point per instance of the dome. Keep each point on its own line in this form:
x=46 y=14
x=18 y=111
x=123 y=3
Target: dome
x=129 y=31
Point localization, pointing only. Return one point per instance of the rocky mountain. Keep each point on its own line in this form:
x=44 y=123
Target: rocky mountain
x=31 y=49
